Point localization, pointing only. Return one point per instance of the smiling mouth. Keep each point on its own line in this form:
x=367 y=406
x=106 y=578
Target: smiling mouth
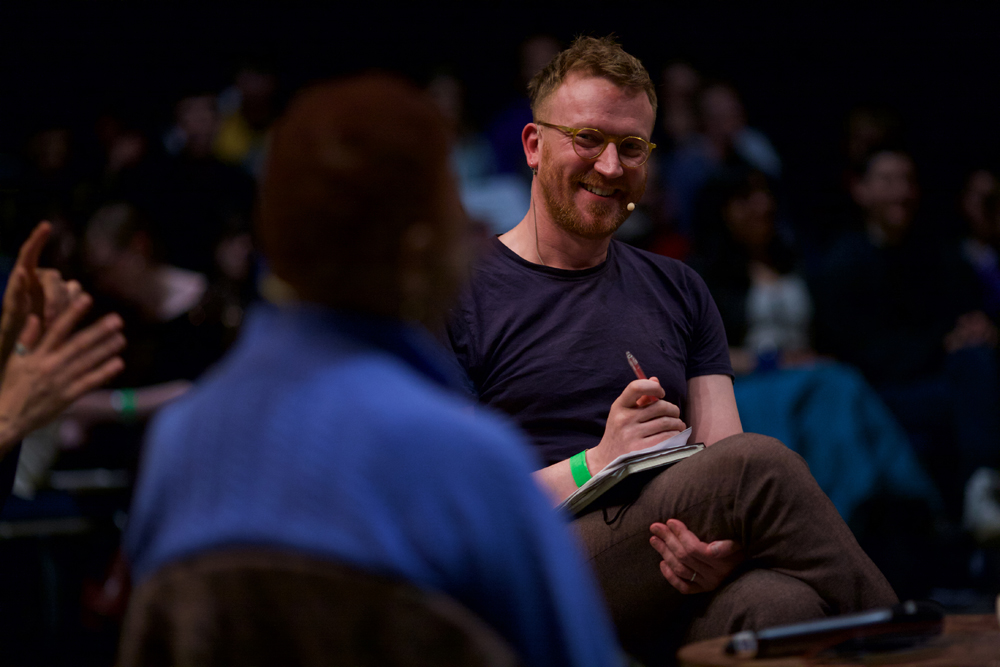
x=600 y=192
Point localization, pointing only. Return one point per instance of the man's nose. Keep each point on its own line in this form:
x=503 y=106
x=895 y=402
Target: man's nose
x=608 y=164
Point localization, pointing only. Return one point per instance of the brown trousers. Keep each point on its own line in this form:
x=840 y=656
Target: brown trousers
x=802 y=560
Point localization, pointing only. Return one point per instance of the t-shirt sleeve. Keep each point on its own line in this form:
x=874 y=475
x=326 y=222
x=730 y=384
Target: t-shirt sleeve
x=708 y=349
x=458 y=342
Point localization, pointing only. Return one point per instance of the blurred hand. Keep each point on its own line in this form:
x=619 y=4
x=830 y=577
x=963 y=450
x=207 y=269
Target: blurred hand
x=56 y=368
x=685 y=557
x=971 y=330
x=31 y=290
x=638 y=419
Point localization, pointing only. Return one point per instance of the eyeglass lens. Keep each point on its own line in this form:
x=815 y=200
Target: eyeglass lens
x=632 y=151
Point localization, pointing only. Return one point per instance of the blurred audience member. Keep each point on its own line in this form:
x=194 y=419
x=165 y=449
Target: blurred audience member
x=175 y=332
x=980 y=208
x=864 y=129
x=332 y=428
x=821 y=409
x=725 y=126
x=49 y=188
x=198 y=201
x=653 y=225
x=534 y=53
x=679 y=102
x=725 y=139
x=868 y=128
x=752 y=271
x=51 y=175
x=899 y=302
x=247 y=109
x=125 y=170
x=650 y=226
x=492 y=199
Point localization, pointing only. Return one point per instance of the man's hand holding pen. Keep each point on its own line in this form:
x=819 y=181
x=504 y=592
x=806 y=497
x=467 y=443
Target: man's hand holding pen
x=690 y=565
x=638 y=419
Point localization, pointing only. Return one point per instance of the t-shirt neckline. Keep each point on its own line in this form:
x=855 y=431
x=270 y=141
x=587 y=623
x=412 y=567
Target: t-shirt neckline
x=570 y=274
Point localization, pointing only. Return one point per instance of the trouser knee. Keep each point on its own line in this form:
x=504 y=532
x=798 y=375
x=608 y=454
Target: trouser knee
x=757 y=599
x=762 y=451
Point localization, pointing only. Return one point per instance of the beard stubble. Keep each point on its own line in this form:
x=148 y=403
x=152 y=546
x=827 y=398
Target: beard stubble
x=605 y=217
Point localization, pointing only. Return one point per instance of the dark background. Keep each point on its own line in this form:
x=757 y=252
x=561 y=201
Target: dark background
x=799 y=70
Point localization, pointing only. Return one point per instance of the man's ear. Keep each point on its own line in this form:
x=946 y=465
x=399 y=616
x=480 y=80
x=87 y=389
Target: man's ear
x=530 y=139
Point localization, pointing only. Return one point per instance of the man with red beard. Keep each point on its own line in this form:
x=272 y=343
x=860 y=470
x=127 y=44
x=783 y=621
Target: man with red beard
x=542 y=334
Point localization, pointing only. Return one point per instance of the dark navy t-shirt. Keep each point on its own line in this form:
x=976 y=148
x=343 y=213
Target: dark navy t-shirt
x=547 y=346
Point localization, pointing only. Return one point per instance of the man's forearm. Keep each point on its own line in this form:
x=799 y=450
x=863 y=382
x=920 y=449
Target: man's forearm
x=556 y=480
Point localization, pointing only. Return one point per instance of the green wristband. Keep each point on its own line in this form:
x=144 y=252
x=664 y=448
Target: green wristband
x=123 y=402
x=578 y=466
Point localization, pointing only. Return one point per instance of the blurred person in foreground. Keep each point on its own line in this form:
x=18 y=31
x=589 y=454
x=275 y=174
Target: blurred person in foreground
x=45 y=367
x=542 y=332
x=332 y=427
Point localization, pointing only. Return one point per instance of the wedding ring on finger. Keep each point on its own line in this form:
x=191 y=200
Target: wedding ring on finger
x=691 y=580
x=20 y=349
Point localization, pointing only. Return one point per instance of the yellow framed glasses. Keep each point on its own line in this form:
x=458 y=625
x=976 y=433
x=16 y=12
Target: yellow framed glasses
x=589 y=143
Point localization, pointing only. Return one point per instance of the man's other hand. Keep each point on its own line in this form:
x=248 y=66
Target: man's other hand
x=638 y=419
x=690 y=565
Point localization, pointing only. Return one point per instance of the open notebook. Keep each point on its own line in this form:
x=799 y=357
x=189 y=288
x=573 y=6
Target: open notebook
x=660 y=455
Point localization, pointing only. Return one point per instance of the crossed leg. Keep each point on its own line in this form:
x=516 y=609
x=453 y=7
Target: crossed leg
x=748 y=488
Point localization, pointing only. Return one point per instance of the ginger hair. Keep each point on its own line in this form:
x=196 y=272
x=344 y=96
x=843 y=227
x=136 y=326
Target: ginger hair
x=597 y=56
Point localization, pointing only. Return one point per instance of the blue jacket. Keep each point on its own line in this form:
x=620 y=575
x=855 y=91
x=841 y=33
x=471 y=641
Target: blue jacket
x=337 y=435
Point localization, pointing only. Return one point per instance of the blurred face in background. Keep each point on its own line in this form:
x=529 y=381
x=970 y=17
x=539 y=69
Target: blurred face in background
x=257 y=90
x=888 y=193
x=680 y=89
x=198 y=118
x=447 y=92
x=980 y=186
x=722 y=114
x=536 y=52
x=50 y=149
x=750 y=218
x=116 y=259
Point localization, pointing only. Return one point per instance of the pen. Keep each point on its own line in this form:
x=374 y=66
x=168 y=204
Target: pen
x=635 y=365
